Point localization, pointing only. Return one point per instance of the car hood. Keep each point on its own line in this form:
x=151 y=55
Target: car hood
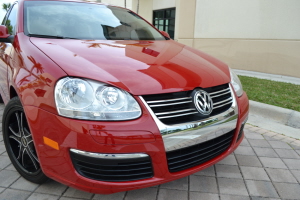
x=139 y=67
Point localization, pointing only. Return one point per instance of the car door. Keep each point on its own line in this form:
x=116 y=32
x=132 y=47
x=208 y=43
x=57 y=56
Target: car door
x=10 y=21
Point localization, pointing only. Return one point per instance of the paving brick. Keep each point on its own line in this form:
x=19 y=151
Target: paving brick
x=206 y=196
x=241 y=150
x=265 y=152
x=232 y=186
x=2 y=147
x=296 y=143
x=23 y=184
x=288 y=140
x=279 y=137
x=281 y=175
x=166 y=194
x=261 y=188
x=270 y=138
x=51 y=187
x=288 y=190
x=10 y=194
x=259 y=143
x=203 y=184
x=292 y=163
x=232 y=197
x=286 y=153
x=69 y=198
x=254 y=173
x=269 y=133
x=262 y=131
x=272 y=162
x=245 y=143
x=210 y=171
x=228 y=171
x=229 y=160
x=115 y=196
x=262 y=198
x=8 y=177
x=11 y=168
x=251 y=161
x=279 y=145
x=5 y=161
x=253 y=135
x=72 y=192
x=38 y=196
x=180 y=184
x=142 y=194
x=296 y=174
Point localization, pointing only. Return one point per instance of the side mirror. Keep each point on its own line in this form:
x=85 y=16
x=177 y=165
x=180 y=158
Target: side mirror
x=165 y=34
x=4 y=35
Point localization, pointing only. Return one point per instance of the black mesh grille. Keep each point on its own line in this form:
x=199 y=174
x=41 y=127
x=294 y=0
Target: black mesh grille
x=112 y=170
x=188 y=157
x=241 y=132
x=176 y=108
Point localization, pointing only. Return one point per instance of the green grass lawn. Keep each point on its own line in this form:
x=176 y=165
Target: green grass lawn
x=285 y=95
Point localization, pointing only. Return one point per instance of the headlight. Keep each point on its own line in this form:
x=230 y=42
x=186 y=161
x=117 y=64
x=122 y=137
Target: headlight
x=236 y=83
x=91 y=100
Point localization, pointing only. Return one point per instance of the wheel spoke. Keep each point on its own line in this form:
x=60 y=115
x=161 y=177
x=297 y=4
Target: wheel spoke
x=23 y=154
x=13 y=132
x=20 y=152
x=15 y=138
x=32 y=158
x=28 y=134
x=30 y=152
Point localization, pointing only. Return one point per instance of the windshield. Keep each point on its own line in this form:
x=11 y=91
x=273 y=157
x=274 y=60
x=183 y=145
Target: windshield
x=85 y=21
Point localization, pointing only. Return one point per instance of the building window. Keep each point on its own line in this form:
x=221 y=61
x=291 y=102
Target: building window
x=164 y=20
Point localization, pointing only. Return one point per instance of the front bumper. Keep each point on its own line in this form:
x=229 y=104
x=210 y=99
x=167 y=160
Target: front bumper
x=79 y=134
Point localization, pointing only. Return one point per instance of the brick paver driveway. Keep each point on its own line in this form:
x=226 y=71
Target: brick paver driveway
x=265 y=166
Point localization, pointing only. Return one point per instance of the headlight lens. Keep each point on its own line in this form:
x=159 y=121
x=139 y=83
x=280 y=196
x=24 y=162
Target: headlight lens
x=236 y=83
x=91 y=100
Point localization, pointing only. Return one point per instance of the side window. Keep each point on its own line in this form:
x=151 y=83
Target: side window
x=11 y=20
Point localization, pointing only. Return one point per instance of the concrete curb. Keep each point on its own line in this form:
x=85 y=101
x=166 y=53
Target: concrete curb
x=281 y=115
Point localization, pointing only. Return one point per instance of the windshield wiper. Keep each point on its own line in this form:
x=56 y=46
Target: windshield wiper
x=50 y=36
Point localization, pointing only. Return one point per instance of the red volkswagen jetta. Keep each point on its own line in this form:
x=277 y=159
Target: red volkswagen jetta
x=98 y=99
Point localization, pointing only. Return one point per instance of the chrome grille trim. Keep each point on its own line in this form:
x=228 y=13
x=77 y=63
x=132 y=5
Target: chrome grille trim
x=177 y=115
x=222 y=105
x=214 y=96
x=178 y=136
x=177 y=111
x=169 y=104
x=226 y=100
x=166 y=100
x=212 y=93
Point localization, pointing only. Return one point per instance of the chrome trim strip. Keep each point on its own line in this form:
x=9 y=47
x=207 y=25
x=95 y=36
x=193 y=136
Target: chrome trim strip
x=177 y=115
x=230 y=98
x=169 y=104
x=109 y=156
x=177 y=111
x=212 y=93
x=220 y=94
x=223 y=105
x=178 y=99
x=183 y=135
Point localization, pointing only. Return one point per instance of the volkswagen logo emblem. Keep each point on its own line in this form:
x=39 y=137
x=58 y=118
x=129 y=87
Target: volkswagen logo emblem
x=203 y=102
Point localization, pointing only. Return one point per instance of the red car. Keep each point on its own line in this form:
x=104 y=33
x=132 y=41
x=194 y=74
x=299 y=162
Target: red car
x=100 y=100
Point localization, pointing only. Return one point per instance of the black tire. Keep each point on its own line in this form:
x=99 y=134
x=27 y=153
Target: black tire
x=19 y=143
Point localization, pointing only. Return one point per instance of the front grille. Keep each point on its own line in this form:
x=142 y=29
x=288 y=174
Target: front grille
x=176 y=108
x=112 y=170
x=188 y=157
